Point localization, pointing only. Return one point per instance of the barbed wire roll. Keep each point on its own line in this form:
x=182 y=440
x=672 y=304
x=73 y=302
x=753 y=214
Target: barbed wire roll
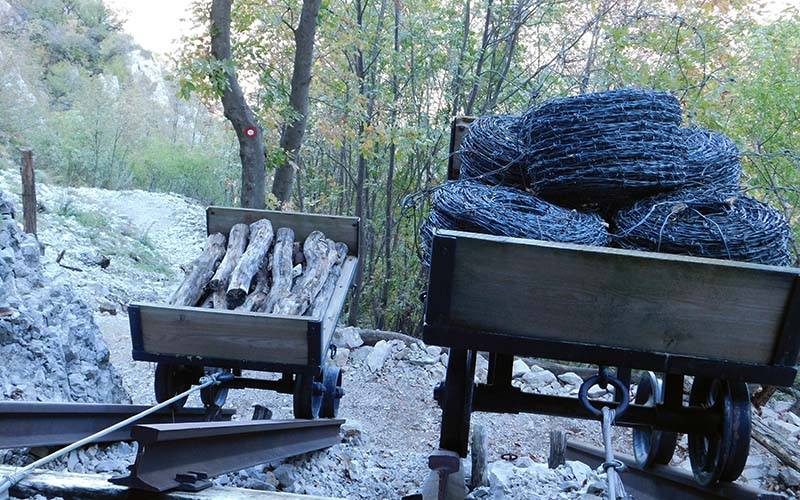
x=712 y=159
x=467 y=205
x=607 y=148
x=716 y=223
x=493 y=151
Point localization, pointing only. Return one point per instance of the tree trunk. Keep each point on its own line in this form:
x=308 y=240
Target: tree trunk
x=194 y=284
x=320 y=302
x=237 y=243
x=292 y=135
x=248 y=131
x=282 y=259
x=253 y=258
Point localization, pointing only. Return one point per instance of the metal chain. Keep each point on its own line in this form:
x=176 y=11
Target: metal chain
x=611 y=466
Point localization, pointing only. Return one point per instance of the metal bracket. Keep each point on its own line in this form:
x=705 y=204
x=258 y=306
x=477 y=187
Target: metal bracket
x=192 y=481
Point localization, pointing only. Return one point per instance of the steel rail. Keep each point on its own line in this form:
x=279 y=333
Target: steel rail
x=660 y=481
x=185 y=456
x=26 y=424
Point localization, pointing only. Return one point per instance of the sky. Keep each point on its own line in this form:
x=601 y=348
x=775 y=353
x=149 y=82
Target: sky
x=156 y=25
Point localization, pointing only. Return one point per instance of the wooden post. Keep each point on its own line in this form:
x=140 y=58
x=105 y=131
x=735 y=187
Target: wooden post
x=28 y=191
x=480 y=457
x=558 y=449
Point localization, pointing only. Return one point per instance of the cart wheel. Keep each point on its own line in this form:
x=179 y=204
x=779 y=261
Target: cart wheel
x=214 y=395
x=307 y=399
x=457 y=409
x=332 y=380
x=721 y=456
x=652 y=446
x=172 y=379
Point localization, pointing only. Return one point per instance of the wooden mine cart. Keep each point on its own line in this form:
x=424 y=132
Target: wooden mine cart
x=185 y=340
x=724 y=323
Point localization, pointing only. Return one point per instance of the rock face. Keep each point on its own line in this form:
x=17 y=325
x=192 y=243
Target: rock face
x=50 y=345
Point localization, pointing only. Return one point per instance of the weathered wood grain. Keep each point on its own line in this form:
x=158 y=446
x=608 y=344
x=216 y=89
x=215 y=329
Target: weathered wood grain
x=330 y=317
x=320 y=302
x=224 y=334
x=281 y=268
x=252 y=259
x=344 y=229
x=320 y=253
x=258 y=297
x=237 y=243
x=194 y=284
x=644 y=301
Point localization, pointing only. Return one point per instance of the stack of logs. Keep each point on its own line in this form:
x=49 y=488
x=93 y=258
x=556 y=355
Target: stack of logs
x=254 y=275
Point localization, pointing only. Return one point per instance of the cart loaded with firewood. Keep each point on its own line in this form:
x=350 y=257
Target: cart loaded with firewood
x=264 y=295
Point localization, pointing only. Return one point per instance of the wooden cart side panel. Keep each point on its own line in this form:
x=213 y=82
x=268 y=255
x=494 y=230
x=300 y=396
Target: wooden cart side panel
x=649 y=302
x=344 y=229
x=224 y=334
x=330 y=317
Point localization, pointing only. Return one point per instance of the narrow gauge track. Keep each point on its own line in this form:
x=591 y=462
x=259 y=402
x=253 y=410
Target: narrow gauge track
x=24 y=424
x=185 y=456
x=660 y=481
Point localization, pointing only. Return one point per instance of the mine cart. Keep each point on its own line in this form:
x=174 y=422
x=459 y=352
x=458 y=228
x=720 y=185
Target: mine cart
x=723 y=323
x=188 y=341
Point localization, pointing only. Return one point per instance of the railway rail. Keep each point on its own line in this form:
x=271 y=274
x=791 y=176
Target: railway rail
x=25 y=424
x=660 y=481
x=185 y=456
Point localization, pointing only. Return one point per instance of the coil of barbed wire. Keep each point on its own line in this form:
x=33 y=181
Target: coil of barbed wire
x=716 y=223
x=712 y=159
x=606 y=148
x=493 y=151
x=466 y=205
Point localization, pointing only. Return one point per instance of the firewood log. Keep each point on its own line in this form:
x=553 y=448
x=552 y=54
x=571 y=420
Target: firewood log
x=237 y=242
x=218 y=300
x=194 y=284
x=281 y=268
x=256 y=299
x=320 y=254
x=207 y=302
x=320 y=302
x=252 y=259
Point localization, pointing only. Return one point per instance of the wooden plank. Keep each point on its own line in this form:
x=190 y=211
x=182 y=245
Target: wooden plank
x=96 y=486
x=224 y=334
x=331 y=317
x=645 y=301
x=344 y=229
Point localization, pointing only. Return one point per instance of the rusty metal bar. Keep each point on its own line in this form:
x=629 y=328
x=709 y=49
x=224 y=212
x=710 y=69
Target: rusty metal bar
x=24 y=424
x=660 y=481
x=185 y=456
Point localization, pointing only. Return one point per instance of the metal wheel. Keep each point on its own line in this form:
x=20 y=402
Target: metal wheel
x=652 y=446
x=308 y=392
x=172 y=379
x=214 y=395
x=332 y=380
x=721 y=456
x=457 y=408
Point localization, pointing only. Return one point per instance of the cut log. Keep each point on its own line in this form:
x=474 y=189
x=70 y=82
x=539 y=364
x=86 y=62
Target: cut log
x=258 y=297
x=319 y=253
x=251 y=261
x=218 y=299
x=281 y=268
x=237 y=243
x=786 y=451
x=203 y=268
x=320 y=302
